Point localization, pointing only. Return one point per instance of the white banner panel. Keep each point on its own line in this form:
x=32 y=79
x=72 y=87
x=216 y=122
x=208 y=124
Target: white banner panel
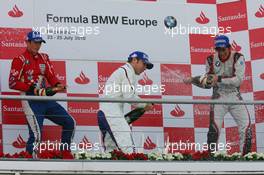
x=16 y=13
x=112 y=30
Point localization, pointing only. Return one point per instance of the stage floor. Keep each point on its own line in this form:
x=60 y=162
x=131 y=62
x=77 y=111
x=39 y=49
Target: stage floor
x=18 y=167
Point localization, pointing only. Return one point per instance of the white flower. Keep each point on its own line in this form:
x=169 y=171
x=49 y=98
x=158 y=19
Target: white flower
x=85 y=155
x=76 y=156
x=249 y=156
x=108 y=155
x=228 y=156
x=98 y=155
x=153 y=155
x=160 y=157
x=236 y=155
x=260 y=156
x=178 y=156
x=168 y=157
x=88 y=154
x=103 y=155
x=220 y=153
x=88 y=158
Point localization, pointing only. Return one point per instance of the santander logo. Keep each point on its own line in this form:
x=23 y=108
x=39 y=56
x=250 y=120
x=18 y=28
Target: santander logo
x=260 y=12
x=145 y=80
x=202 y=19
x=235 y=46
x=82 y=79
x=84 y=142
x=262 y=76
x=177 y=112
x=15 y=12
x=19 y=142
x=149 y=145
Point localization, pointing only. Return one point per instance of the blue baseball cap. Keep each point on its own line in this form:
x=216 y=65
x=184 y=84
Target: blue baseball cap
x=141 y=55
x=221 y=41
x=35 y=36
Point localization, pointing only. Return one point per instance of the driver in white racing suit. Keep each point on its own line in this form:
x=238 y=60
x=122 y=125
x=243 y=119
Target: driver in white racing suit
x=116 y=132
x=227 y=69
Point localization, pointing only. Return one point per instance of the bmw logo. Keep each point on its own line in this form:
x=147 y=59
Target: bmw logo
x=170 y=22
x=217 y=63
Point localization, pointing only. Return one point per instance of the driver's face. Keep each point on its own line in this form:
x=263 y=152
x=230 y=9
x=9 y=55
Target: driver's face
x=140 y=67
x=33 y=47
x=223 y=52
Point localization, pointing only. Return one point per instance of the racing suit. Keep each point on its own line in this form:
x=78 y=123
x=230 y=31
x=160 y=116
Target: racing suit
x=29 y=71
x=231 y=73
x=116 y=132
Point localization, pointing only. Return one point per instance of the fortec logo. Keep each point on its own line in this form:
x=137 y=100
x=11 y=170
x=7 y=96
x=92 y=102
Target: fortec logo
x=177 y=112
x=262 y=76
x=15 y=12
x=260 y=12
x=145 y=80
x=84 y=142
x=235 y=46
x=202 y=19
x=19 y=142
x=82 y=79
x=149 y=145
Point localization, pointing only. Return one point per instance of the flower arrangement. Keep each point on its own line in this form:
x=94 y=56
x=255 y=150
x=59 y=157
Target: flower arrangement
x=42 y=155
x=153 y=156
x=184 y=156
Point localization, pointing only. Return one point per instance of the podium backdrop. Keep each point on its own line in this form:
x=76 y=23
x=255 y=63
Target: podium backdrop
x=88 y=39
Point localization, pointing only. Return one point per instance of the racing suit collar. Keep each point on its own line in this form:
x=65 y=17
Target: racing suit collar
x=131 y=67
x=29 y=55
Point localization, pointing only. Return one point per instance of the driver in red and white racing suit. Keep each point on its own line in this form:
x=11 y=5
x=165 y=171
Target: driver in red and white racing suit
x=227 y=69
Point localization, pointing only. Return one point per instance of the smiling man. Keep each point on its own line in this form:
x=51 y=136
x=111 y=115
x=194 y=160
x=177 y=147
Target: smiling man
x=225 y=71
x=29 y=73
x=116 y=132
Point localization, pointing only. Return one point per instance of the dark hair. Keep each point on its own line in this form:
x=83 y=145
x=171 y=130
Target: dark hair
x=130 y=60
x=228 y=46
